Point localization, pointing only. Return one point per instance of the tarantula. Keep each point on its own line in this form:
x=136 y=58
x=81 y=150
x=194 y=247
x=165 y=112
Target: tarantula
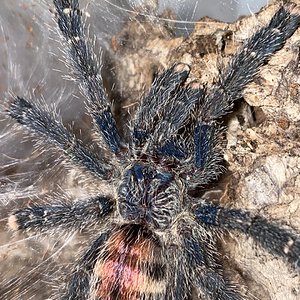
x=156 y=240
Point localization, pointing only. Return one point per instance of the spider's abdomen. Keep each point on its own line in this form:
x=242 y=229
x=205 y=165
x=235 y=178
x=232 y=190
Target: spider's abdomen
x=148 y=196
x=129 y=267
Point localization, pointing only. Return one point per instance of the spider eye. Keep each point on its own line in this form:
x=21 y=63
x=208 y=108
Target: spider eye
x=143 y=198
x=165 y=177
x=138 y=172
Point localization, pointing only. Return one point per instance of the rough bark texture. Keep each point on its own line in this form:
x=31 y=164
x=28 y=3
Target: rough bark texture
x=263 y=149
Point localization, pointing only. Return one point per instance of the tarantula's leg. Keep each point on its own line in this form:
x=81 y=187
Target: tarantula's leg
x=86 y=69
x=247 y=62
x=271 y=236
x=242 y=70
x=79 y=285
x=77 y=215
x=208 y=154
x=157 y=101
x=210 y=279
x=41 y=124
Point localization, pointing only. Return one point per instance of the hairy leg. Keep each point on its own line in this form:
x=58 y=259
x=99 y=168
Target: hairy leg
x=157 y=105
x=271 y=236
x=41 y=124
x=247 y=62
x=79 y=284
x=232 y=81
x=77 y=215
x=208 y=161
x=210 y=280
x=86 y=69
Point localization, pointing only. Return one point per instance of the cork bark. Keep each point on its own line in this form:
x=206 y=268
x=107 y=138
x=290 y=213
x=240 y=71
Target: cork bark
x=262 y=152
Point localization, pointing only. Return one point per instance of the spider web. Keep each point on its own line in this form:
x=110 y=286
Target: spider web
x=31 y=65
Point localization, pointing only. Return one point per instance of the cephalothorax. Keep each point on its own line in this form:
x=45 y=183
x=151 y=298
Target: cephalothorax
x=149 y=196
x=156 y=241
